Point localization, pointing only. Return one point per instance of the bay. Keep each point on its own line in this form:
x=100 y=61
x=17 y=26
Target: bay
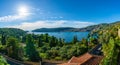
x=67 y=36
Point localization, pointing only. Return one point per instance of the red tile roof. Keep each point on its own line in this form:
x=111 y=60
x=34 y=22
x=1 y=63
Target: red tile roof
x=85 y=59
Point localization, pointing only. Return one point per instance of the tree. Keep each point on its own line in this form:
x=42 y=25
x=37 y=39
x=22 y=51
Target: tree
x=46 y=38
x=3 y=39
x=52 y=42
x=75 y=39
x=13 y=48
x=40 y=43
x=23 y=39
x=108 y=50
x=60 y=43
x=53 y=52
x=31 y=52
x=63 y=51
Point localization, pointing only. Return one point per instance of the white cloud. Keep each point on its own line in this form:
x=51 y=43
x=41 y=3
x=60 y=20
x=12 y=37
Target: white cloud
x=22 y=14
x=9 y=18
x=83 y=24
x=51 y=24
x=56 y=17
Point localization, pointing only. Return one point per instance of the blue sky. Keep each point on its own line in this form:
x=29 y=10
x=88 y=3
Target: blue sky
x=32 y=14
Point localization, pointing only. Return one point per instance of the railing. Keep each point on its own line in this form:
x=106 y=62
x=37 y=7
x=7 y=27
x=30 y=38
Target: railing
x=13 y=61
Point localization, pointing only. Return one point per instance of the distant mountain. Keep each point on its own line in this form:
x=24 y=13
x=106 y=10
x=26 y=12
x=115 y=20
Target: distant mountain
x=60 y=29
x=12 y=31
x=70 y=29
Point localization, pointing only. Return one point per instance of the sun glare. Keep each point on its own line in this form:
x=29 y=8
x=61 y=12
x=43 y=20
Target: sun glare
x=23 y=11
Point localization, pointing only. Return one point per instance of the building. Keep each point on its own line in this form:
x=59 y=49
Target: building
x=85 y=59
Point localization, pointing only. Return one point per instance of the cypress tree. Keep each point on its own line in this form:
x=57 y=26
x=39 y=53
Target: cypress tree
x=31 y=52
x=3 y=39
x=40 y=41
x=46 y=38
x=75 y=39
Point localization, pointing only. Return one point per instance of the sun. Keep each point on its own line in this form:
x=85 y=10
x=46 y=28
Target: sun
x=23 y=11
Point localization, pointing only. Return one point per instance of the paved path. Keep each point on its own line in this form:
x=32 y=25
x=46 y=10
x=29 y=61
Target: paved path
x=12 y=61
x=96 y=50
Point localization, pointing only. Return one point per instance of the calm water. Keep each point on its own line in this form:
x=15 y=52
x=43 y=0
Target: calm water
x=68 y=36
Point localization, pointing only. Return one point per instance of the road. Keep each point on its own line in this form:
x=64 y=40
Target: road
x=12 y=61
x=96 y=50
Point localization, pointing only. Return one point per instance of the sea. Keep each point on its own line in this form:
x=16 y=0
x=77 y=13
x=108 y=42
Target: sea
x=67 y=36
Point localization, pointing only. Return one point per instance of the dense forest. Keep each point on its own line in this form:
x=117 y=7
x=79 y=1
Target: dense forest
x=12 y=32
x=17 y=44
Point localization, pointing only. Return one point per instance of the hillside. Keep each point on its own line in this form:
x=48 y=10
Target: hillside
x=108 y=37
x=60 y=29
x=12 y=31
x=70 y=29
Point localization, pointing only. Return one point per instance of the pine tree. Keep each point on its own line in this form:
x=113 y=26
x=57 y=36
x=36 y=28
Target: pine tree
x=40 y=41
x=60 y=42
x=12 y=47
x=31 y=52
x=52 y=42
x=75 y=39
x=46 y=38
x=3 y=39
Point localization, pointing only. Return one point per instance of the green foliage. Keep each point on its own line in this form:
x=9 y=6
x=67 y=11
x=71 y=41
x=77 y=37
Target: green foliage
x=12 y=32
x=108 y=50
x=108 y=36
x=31 y=47
x=13 y=48
x=61 y=42
x=3 y=61
x=58 y=58
x=58 y=49
x=44 y=55
x=74 y=39
x=52 y=42
x=3 y=39
x=46 y=38
x=40 y=43
x=31 y=52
